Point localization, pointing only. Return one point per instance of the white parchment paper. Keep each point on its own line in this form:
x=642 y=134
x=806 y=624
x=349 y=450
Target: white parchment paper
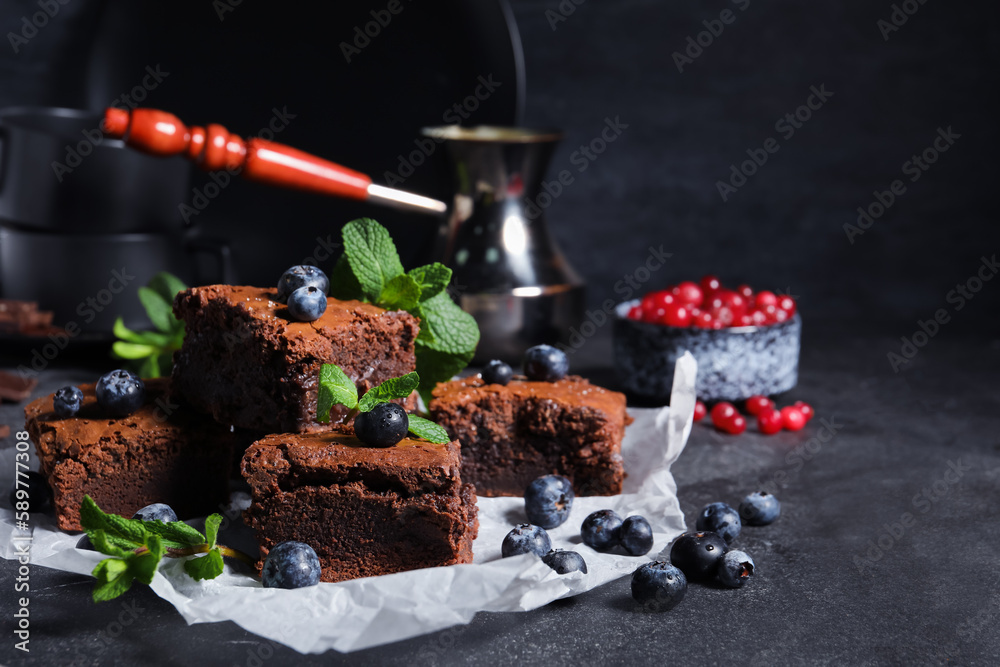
x=359 y=614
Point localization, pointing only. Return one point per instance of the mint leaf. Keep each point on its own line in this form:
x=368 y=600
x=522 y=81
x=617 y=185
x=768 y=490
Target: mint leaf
x=335 y=388
x=372 y=256
x=453 y=339
x=113 y=579
x=176 y=534
x=392 y=388
x=106 y=545
x=212 y=524
x=401 y=293
x=167 y=285
x=343 y=284
x=139 y=337
x=433 y=279
x=208 y=566
x=150 y=367
x=159 y=310
x=428 y=430
x=124 y=350
x=143 y=566
x=93 y=519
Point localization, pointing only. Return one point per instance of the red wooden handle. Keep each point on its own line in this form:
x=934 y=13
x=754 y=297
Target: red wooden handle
x=213 y=148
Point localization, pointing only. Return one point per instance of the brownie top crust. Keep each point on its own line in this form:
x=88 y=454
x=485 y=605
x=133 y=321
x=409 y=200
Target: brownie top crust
x=571 y=390
x=59 y=437
x=331 y=458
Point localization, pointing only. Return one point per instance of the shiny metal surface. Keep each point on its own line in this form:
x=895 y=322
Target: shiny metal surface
x=508 y=272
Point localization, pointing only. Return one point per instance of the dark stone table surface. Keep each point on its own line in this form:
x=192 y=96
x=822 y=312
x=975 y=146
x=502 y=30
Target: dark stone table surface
x=886 y=552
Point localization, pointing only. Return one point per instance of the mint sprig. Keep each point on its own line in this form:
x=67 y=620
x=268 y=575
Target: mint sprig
x=336 y=388
x=370 y=270
x=152 y=351
x=136 y=548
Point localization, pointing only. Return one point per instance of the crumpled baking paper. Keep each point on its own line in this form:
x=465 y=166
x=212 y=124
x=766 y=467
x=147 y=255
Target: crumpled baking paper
x=363 y=613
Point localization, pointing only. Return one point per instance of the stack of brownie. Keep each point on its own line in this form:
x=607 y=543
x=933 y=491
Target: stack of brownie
x=247 y=368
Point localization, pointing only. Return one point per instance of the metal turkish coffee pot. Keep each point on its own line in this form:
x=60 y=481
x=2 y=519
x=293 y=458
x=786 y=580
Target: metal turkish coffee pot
x=508 y=272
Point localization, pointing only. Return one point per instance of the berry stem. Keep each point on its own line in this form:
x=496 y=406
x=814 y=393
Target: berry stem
x=228 y=552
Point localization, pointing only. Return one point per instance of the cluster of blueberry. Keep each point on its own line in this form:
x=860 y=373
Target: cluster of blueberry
x=709 y=305
x=542 y=363
x=770 y=420
x=705 y=554
x=304 y=289
x=119 y=394
x=547 y=502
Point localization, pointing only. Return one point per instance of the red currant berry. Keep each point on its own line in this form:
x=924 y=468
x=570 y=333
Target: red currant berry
x=792 y=418
x=765 y=298
x=787 y=304
x=716 y=325
x=635 y=313
x=769 y=421
x=757 y=404
x=660 y=299
x=714 y=301
x=759 y=318
x=805 y=409
x=689 y=293
x=746 y=292
x=781 y=316
x=710 y=284
x=652 y=315
x=704 y=320
x=723 y=315
x=771 y=312
x=744 y=321
x=722 y=412
x=676 y=315
x=694 y=310
x=699 y=411
x=733 y=302
x=736 y=425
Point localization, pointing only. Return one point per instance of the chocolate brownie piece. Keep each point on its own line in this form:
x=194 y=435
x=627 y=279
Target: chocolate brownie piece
x=512 y=434
x=365 y=510
x=161 y=453
x=246 y=362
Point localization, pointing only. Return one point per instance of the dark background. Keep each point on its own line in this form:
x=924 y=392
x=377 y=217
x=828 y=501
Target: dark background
x=655 y=185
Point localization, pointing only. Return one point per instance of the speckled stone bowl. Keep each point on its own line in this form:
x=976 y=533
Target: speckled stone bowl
x=733 y=364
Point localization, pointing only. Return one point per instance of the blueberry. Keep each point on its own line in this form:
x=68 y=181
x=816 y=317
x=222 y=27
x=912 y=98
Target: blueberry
x=156 y=512
x=720 y=518
x=35 y=490
x=545 y=363
x=497 y=372
x=636 y=536
x=735 y=568
x=600 y=530
x=382 y=426
x=85 y=544
x=548 y=501
x=302 y=276
x=698 y=554
x=307 y=304
x=759 y=509
x=120 y=393
x=658 y=586
x=67 y=401
x=525 y=539
x=291 y=565
x=564 y=562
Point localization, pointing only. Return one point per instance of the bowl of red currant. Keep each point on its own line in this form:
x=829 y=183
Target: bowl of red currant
x=746 y=342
